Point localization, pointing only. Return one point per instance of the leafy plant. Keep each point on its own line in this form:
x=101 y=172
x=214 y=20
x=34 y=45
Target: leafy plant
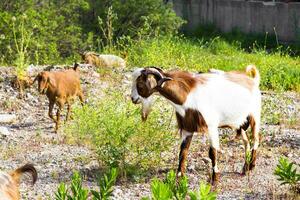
x=171 y=189
x=287 y=173
x=203 y=193
x=62 y=192
x=106 y=186
x=160 y=190
x=77 y=192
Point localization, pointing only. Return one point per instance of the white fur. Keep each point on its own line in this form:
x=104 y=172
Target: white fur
x=185 y=134
x=112 y=60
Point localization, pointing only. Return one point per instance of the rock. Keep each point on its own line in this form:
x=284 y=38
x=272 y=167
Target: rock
x=4 y=131
x=206 y=160
x=7 y=118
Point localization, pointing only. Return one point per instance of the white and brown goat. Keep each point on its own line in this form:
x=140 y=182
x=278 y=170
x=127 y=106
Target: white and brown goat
x=61 y=87
x=205 y=102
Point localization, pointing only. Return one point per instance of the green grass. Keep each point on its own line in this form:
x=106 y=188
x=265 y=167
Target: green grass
x=278 y=70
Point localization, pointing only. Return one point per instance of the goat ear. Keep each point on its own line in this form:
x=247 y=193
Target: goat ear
x=51 y=81
x=35 y=79
x=152 y=83
x=164 y=79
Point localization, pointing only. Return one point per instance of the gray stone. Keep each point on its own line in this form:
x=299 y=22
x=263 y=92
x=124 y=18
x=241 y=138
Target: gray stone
x=7 y=118
x=4 y=131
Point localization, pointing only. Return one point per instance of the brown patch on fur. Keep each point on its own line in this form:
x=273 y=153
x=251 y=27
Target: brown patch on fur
x=241 y=79
x=144 y=85
x=182 y=83
x=213 y=156
x=249 y=122
x=192 y=121
x=184 y=148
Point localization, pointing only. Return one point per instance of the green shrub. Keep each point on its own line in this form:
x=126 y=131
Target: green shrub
x=287 y=173
x=171 y=189
x=77 y=192
x=114 y=130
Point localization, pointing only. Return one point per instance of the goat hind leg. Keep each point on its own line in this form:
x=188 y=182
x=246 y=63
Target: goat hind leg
x=213 y=154
x=255 y=136
x=68 y=111
x=81 y=98
x=247 y=149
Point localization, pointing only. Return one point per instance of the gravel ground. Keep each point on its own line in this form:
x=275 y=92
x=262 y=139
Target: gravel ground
x=31 y=138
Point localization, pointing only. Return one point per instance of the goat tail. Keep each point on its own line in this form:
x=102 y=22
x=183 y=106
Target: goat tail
x=253 y=72
x=28 y=168
x=76 y=65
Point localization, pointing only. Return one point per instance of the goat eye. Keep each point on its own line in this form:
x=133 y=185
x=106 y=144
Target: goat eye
x=139 y=85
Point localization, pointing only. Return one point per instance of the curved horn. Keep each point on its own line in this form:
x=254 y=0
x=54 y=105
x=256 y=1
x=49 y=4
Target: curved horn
x=156 y=72
x=153 y=71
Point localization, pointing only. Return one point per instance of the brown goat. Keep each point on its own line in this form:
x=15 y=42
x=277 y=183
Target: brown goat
x=61 y=87
x=9 y=182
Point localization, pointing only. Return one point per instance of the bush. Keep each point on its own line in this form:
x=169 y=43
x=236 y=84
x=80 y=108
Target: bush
x=114 y=129
x=171 y=189
x=287 y=174
x=61 y=29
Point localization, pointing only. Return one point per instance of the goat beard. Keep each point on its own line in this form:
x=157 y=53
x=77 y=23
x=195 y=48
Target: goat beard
x=146 y=107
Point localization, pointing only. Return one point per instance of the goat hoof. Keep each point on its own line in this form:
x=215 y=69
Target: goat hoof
x=179 y=174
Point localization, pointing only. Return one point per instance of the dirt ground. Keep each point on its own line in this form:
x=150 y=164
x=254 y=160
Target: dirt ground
x=31 y=138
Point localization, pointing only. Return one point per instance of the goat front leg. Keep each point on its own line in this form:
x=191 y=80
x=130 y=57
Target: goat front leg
x=60 y=103
x=184 y=148
x=213 y=154
x=50 y=112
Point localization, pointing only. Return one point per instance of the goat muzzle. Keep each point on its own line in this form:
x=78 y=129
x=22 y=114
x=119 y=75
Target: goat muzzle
x=135 y=100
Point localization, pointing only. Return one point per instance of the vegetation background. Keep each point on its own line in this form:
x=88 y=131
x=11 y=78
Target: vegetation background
x=146 y=32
